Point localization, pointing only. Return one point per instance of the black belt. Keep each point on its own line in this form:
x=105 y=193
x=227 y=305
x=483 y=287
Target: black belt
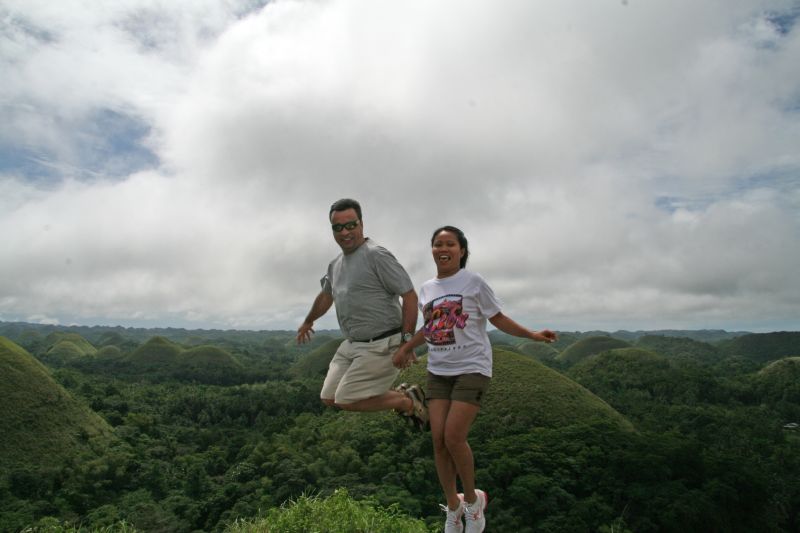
x=382 y=335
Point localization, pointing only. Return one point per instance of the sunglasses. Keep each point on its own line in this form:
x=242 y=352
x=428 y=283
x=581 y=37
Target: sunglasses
x=337 y=228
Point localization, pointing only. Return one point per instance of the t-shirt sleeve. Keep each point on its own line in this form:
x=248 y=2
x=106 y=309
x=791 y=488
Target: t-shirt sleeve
x=391 y=273
x=487 y=301
x=325 y=282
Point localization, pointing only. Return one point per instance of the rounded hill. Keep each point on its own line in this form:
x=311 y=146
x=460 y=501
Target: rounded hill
x=115 y=338
x=208 y=355
x=581 y=349
x=634 y=378
x=621 y=368
x=82 y=345
x=780 y=380
x=67 y=348
x=539 y=350
x=679 y=347
x=785 y=369
x=162 y=358
x=763 y=347
x=43 y=424
x=315 y=363
x=156 y=352
x=524 y=394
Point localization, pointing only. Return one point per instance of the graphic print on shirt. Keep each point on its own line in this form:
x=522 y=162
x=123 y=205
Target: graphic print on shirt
x=442 y=315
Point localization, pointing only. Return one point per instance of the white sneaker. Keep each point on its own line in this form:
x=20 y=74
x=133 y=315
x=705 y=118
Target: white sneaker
x=473 y=513
x=453 y=523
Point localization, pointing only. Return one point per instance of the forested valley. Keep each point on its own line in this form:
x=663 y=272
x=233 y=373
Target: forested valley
x=172 y=430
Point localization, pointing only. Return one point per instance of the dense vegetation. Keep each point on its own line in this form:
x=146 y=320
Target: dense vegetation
x=176 y=430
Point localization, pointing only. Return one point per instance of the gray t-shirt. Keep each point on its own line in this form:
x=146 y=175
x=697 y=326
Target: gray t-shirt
x=365 y=286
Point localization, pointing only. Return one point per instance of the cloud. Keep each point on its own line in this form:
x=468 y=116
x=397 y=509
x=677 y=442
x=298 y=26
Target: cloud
x=613 y=164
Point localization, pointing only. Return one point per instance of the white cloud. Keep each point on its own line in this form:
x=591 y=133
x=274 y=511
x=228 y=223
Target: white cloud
x=614 y=165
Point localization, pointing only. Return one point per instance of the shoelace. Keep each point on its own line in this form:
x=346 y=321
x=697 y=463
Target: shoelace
x=474 y=510
x=452 y=516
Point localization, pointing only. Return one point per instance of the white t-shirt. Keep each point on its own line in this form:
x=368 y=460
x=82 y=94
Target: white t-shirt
x=455 y=311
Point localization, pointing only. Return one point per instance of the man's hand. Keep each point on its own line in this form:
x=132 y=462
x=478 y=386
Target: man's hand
x=304 y=332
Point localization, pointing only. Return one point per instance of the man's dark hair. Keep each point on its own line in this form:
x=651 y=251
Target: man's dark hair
x=345 y=204
x=462 y=241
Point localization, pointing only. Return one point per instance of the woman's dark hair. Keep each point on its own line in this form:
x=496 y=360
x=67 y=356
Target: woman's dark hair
x=343 y=205
x=462 y=241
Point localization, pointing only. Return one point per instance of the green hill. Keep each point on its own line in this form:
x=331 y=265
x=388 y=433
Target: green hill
x=763 y=347
x=539 y=350
x=315 y=363
x=115 y=338
x=525 y=394
x=621 y=368
x=580 y=350
x=43 y=425
x=679 y=347
x=635 y=380
x=109 y=352
x=780 y=381
x=209 y=356
x=156 y=352
x=84 y=346
x=161 y=358
x=64 y=348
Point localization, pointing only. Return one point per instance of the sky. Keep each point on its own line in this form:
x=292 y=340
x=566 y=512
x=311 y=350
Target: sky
x=615 y=164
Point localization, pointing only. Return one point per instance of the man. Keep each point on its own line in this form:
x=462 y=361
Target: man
x=364 y=282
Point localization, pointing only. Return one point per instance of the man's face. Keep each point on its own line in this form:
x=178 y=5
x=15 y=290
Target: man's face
x=347 y=239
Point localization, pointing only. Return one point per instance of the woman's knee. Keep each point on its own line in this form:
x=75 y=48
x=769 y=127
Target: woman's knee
x=454 y=440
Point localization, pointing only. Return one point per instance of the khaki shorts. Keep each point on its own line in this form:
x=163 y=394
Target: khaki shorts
x=468 y=388
x=361 y=370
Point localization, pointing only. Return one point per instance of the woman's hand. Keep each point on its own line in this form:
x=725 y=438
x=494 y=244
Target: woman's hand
x=404 y=357
x=546 y=335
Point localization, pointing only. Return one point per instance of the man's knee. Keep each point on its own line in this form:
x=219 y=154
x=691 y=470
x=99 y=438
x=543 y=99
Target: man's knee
x=337 y=402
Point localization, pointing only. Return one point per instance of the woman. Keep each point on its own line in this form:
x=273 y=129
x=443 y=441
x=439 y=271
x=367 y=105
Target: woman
x=456 y=305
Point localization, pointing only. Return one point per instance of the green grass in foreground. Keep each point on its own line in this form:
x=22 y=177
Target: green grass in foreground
x=338 y=513
x=52 y=525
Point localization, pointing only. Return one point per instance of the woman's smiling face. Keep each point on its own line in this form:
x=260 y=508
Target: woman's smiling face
x=447 y=253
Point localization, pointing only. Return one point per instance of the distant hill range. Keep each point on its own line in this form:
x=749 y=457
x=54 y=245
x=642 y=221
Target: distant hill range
x=763 y=347
x=99 y=336
x=43 y=425
x=25 y=333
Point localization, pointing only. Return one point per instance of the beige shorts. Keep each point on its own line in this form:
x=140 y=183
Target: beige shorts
x=361 y=370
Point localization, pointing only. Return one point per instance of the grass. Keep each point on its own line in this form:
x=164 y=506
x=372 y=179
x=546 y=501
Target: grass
x=52 y=525
x=337 y=513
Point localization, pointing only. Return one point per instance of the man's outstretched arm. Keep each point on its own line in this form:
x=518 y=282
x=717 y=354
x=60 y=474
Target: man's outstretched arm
x=321 y=304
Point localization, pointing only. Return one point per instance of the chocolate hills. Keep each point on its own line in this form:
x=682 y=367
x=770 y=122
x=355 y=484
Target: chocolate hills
x=156 y=352
x=204 y=363
x=525 y=394
x=679 y=347
x=315 y=362
x=539 y=350
x=779 y=381
x=583 y=348
x=43 y=425
x=67 y=348
x=763 y=347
